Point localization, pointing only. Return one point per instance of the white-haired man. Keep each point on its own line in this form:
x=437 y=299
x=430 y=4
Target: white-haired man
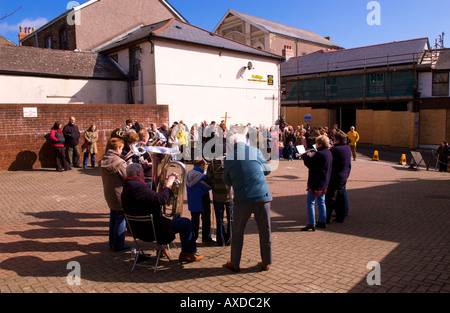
x=245 y=169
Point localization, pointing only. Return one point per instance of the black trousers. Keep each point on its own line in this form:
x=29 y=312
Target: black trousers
x=205 y=216
x=61 y=162
x=335 y=200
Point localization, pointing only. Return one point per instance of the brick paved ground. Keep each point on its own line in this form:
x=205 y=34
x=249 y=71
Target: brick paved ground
x=398 y=217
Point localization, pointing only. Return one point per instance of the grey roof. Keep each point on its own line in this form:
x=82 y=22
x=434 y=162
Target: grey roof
x=174 y=29
x=57 y=63
x=277 y=28
x=6 y=42
x=394 y=53
x=443 y=62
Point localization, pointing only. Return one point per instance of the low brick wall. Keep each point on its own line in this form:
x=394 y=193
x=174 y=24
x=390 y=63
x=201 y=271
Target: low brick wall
x=24 y=147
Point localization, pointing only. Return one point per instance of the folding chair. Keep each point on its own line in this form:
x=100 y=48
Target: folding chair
x=136 y=223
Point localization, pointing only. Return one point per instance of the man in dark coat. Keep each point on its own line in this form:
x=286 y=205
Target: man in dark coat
x=319 y=165
x=342 y=154
x=444 y=154
x=138 y=199
x=72 y=138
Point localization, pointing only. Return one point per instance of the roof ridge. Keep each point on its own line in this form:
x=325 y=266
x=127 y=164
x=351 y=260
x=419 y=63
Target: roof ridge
x=284 y=25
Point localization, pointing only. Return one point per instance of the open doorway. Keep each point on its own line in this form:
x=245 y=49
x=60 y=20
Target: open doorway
x=345 y=118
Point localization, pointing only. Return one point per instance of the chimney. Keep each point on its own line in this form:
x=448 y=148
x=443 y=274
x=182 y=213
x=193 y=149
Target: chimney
x=328 y=38
x=23 y=32
x=287 y=52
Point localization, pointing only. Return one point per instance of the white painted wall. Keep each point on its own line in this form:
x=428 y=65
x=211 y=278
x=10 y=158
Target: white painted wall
x=26 y=89
x=425 y=84
x=199 y=84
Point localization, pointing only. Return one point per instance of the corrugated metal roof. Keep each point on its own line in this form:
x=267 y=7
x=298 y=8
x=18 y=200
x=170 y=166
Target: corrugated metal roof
x=174 y=29
x=393 y=53
x=57 y=63
x=277 y=28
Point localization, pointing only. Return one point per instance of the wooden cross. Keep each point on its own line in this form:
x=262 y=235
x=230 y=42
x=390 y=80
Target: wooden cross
x=226 y=117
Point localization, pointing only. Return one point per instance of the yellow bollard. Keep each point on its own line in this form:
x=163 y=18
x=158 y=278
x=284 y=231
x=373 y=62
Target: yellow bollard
x=375 y=156
x=403 y=160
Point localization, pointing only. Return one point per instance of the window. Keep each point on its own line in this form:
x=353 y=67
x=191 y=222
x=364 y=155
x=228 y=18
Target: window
x=48 y=42
x=376 y=83
x=115 y=57
x=440 y=84
x=331 y=88
x=135 y=62
x=63 y=39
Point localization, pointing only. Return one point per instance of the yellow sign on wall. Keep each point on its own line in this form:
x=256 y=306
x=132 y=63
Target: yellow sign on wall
x=256 y=78
x=260 y=79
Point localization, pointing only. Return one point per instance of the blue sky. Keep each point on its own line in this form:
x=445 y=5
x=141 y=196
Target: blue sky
x=344 y=20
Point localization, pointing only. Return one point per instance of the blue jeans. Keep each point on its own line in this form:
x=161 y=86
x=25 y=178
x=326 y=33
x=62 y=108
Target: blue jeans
x=183 y=226
x=86 y=158
x=220 y=208
x=310 y=200
x=117 y=228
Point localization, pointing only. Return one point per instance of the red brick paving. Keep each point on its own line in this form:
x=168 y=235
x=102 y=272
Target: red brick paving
x=398 y=217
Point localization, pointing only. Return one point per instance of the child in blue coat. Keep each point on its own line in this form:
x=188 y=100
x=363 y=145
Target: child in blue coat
x=199 y=202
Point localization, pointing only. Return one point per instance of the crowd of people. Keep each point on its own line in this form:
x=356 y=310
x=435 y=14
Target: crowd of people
x=229 y=169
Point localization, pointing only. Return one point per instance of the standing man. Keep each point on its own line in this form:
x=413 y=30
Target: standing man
x=113 y=170
x=340 y=170
x=72 y=137
x=444 y=154
x=245 y=169
x=353 y=138
x=319 y=165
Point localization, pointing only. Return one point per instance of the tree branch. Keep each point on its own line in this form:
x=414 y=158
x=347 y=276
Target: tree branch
x=7 y=15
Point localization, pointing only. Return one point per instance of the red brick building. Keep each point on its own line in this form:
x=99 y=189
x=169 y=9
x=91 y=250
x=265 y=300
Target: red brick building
x=93 y=23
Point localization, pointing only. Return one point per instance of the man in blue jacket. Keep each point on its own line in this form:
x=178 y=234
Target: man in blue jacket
x=245 y=169
x=335 y=198
x=199 y=202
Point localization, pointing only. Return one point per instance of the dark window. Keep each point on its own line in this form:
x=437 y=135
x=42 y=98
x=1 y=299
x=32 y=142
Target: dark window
x=63 y=39
x=48 y=42
x=331 y=88
x=115 y=57
x=376 y=83
x=135 y=62
x=440 y=84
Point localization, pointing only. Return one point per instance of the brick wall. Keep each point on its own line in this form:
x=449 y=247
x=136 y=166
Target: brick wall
x=22 y=138
x=54 y=32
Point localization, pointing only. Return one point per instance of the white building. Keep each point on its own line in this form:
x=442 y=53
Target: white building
x=200 y=75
